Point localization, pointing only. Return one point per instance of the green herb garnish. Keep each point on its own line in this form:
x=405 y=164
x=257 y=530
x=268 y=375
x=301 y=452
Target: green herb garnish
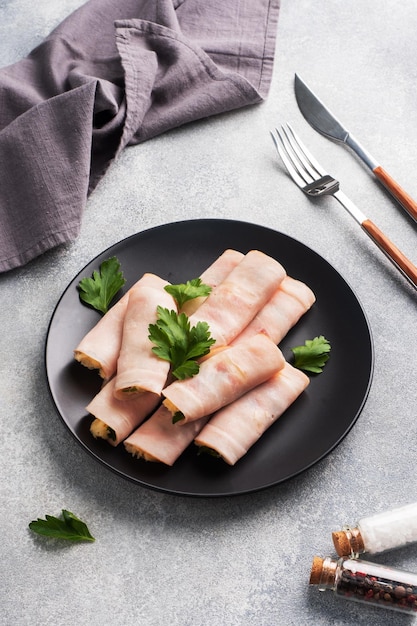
x=313 y=355
x=70 y=527
x=188 y=291
x=179 y=343
x=178 y=417
x=210 y=451
x=111 y=433
x=99 y=291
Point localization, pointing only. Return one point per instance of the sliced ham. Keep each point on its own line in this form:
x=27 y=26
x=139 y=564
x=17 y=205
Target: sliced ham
x=138 y=369
x=299 y=290
x=238 y=298
x=158 y=439
x=213 y=276
x=99 y=349
x=223 y=378
x=290 y=301
x=116 y=419
x=235 y=428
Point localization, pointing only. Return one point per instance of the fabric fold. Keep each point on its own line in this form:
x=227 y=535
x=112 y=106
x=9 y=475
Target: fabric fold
x=113 y=75
x=34 y=216
x=183 y=77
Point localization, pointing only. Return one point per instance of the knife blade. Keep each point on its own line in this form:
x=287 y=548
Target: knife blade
x=323 y=120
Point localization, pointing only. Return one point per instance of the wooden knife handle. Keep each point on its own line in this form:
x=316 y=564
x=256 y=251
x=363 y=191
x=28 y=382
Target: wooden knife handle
x=394 y=188
x=391 y=251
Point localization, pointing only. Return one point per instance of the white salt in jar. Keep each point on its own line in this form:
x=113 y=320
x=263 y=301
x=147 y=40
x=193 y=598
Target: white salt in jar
x=378 y=533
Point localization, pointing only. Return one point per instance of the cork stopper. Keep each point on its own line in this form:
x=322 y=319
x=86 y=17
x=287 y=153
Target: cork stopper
x=323 y=572
x=348 y=542
x=341 y=543
x=316 y=570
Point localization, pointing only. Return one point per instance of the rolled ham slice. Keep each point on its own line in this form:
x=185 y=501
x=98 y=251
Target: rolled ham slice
x=213 y=276
x=116 y=419
x=159 y=440
x=139 y=370
x=235 y=428
x=223 y=378
x=289 y=303
x=99 y=349
x=238 y=298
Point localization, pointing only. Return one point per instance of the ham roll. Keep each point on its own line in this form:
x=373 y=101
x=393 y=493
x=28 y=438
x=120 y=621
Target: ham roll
x=238 y=298
x=158 y=439
x=223 y=378
x=235 y=428
x=116 y=419
x=139 y=369
x=99 y=349
x=291 y=300
x=213 y=276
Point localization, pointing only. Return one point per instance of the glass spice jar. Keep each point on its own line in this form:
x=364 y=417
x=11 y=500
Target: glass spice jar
x=378 y=533
x=366 y=582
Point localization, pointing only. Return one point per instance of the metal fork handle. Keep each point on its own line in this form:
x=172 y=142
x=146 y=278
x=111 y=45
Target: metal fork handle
x=399 y=260
x=350 y=207
x=325 y=185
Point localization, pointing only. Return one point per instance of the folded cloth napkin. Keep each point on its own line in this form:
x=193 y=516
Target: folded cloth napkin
x=116 y=73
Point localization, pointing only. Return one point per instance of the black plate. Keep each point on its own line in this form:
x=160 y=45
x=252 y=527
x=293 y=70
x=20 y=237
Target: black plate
x=312 y=427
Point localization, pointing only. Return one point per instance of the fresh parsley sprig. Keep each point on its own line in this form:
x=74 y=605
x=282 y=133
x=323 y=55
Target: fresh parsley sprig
x=99 y=290
x=70 y=527
x=179 y=343
x=313 y=355
x=183 y=292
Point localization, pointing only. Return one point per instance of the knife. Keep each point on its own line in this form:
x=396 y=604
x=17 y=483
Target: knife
x=322 y=120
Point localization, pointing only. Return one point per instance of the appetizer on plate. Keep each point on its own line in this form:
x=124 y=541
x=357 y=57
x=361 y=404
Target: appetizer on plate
x=197 y=362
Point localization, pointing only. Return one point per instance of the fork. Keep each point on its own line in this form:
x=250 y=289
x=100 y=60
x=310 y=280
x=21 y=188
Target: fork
x=312 y=178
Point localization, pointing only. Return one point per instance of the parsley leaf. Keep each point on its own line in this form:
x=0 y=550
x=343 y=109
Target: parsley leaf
x=179 y=343
x=313 y=355
x=188 y=291
x=70 y=527
x=177 y=417
x=99 y=290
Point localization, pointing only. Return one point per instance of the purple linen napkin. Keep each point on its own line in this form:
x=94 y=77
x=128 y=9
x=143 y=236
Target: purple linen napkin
x=116 y=73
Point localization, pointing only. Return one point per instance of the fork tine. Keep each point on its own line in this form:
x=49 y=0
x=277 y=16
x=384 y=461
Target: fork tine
x=306 y=172
x=282 y=151
x=294 y=152
x=302 y=153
